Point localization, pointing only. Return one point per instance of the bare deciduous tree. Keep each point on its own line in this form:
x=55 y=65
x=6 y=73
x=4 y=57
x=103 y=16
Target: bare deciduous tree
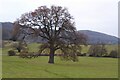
x=56 y=26
x=97 y=50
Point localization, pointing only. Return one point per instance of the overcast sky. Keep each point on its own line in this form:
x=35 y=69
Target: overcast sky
x=95 y=15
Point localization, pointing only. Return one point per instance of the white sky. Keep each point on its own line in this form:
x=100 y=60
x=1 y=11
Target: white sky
x=96 y=15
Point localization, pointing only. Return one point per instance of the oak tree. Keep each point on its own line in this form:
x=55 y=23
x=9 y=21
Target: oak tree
x=56 y=26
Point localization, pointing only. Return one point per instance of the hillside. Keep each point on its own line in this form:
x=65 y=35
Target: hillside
x=97 y=37
x=7 y=28
x=93 y=37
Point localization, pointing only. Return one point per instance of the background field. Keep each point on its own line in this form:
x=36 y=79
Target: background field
x=34 y=47
x=87 y=67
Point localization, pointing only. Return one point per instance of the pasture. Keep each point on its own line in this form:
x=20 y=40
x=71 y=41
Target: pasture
x=87 y=67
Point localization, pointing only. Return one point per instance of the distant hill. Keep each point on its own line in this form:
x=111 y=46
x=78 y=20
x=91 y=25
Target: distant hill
x=7 y=28
x=93 y=37
x=97 y=37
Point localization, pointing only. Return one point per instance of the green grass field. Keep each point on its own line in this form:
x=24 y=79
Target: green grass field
x=87 y=67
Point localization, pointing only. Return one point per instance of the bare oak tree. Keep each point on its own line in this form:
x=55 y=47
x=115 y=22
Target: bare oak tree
x=56 y=26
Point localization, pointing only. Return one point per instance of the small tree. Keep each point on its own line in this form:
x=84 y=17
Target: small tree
x=11 y=53
x=103 y=50
x=97 y=50
x=56 y=26
x=114 y=54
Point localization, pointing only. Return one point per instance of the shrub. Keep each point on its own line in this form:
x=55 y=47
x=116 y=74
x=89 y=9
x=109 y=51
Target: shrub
x=34 y=55
x=81 y=54
x=84 y=54
x=29 y=55
x=23 y=54
x=113 y=54
x=11 y=53
x=97 y=50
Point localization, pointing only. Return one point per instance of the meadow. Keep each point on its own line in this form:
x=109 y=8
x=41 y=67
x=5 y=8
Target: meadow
x=86 y=67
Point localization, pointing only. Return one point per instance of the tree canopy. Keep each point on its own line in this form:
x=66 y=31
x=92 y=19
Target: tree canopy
x=55 y=25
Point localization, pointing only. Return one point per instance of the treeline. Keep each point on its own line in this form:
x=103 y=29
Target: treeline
x=100 y=51
x=93 y=51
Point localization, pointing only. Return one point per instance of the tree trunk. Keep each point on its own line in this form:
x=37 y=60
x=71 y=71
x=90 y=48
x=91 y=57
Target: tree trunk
x=19 y=50
x=51 y=56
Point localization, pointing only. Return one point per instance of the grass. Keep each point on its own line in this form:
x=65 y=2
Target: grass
x=87 y=67
x=35 y=48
